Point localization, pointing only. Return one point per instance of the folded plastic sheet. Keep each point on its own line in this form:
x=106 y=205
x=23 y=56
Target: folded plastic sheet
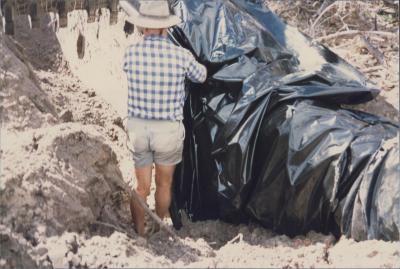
x=267 y=139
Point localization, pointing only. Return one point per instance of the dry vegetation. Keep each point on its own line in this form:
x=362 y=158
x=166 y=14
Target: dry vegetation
x=364 y=33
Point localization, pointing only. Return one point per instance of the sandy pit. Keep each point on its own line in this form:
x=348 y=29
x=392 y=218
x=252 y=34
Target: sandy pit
x=65 y=169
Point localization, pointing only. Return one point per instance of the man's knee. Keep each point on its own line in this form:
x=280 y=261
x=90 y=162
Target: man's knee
x=143 y=191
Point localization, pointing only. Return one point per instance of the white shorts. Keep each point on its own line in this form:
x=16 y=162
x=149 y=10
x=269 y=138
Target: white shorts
x=156 y=141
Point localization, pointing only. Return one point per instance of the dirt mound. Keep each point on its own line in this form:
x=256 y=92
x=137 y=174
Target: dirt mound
x=14 y=251
x=114 y=251
x=68 y=180
x=24 y=104
x=42 y=55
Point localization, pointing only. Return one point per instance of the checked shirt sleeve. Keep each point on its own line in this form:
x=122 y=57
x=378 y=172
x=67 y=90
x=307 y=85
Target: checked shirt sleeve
x=196 y=72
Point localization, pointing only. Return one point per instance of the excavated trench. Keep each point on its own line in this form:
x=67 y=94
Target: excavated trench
x=62 y=146
x=36 y=8
x=65 y=166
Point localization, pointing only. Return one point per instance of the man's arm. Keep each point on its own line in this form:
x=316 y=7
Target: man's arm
x=196 y=72
x=127 y=59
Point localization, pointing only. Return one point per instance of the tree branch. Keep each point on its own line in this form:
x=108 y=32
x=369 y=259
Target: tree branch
x=374 y=51
x=331 y=6
x=372 y=69
x=355 y=32
x=152 y=215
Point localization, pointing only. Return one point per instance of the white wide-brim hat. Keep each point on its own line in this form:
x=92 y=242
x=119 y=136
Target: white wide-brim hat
x=151 y=14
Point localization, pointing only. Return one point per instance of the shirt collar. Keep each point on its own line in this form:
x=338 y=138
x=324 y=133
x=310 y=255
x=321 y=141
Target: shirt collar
x=155 y=37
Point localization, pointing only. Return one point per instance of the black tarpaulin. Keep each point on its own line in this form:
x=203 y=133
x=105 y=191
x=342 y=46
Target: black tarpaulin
x=267 y=139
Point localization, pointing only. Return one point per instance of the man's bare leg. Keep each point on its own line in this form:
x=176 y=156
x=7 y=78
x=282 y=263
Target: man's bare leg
x=143 y=177
x=164 y=177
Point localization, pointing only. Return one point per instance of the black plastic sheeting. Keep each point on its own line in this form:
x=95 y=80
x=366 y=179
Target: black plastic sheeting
x=267 y=139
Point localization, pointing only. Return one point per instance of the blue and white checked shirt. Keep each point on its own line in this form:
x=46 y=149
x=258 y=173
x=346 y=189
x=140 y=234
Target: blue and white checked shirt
x=156 y=71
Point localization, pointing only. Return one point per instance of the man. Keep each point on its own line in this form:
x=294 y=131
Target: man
x=156 y=70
